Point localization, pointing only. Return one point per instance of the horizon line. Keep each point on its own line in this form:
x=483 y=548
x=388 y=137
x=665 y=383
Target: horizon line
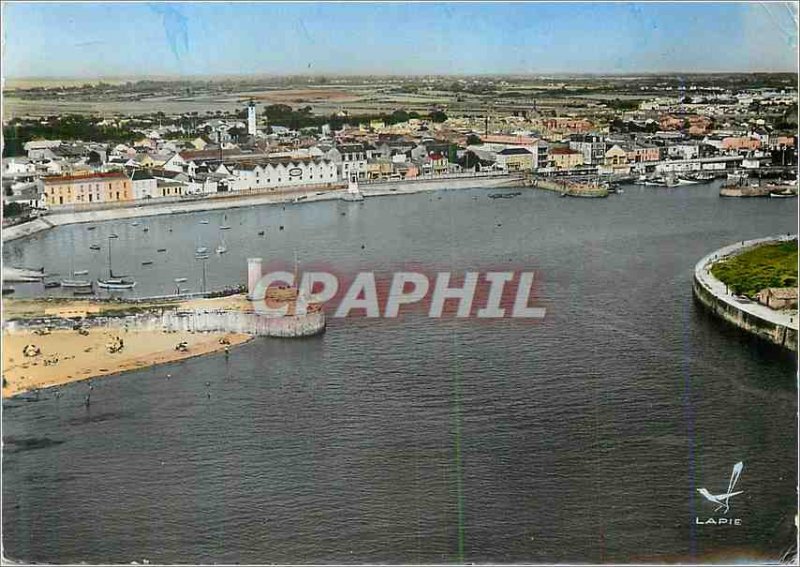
x=356 y=74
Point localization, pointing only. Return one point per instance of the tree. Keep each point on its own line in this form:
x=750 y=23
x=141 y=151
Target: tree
x=12 y=209
x=438 y=116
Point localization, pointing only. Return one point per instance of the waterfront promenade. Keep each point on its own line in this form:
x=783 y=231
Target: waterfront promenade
x=250 y=199
x=779 y=327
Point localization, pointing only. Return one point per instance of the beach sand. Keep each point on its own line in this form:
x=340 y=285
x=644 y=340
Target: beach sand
x=67 y=356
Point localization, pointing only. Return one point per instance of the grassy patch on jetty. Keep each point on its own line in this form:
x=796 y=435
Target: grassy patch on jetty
x=768 y=265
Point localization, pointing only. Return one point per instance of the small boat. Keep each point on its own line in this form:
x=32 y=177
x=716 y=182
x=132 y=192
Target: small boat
x=135 y=223
x=147 y=263
x=201 y=250
x=91 y=227
x=222 y=248
x=80 y=272
x=51 y=285
x=116 y=283
x=781 y=194
x=83 y=291
x=225 y=227
x=94 y=247
x=145 y=229
x=203 y=222
x=261 y=233
x=76 y=283
x=8 y=289
x=203 y=256
x=161 y=250
x=180 y=280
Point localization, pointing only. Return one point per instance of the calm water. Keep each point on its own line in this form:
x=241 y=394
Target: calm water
x=581 y=437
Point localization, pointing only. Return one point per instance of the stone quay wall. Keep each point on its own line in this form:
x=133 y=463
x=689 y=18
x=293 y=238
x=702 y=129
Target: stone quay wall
x=777 y=327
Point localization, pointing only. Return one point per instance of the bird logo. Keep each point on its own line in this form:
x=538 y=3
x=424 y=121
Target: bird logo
x=721 y=500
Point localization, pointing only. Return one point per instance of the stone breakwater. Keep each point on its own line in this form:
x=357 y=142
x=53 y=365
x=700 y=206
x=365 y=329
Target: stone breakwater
x=777 y=327
x=570 y=189
x=192 y=320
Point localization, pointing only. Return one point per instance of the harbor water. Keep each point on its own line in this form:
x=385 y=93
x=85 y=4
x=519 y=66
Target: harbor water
x=581 y=437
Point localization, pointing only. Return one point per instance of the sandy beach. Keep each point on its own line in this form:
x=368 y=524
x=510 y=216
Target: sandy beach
x=67 y=356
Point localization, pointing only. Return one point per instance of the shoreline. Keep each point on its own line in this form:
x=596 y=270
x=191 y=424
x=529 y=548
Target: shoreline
x=68 y=357
x=309 y=195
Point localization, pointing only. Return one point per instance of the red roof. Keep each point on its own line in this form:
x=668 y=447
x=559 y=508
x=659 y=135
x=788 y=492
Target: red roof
x=86 y=177
x=562 y=151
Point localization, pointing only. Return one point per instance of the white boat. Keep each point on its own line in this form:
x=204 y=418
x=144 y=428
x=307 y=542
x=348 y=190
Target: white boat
x=73 y=282
x=203 y=222
x=225 y=227
x=201 y=250
x=222 y=248
x=135 y=223
x=76 y=283
x=116 y=283
x=180 y=280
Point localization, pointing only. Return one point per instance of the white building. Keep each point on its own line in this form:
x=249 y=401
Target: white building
x=144 y=185
x=278 y=174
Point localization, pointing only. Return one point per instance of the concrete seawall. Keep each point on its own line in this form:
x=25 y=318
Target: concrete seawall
x=246 y=199
x=570 y=190
x=777 y=327
x=195 y=320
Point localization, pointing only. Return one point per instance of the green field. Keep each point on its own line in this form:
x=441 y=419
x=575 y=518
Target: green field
x=768 y=265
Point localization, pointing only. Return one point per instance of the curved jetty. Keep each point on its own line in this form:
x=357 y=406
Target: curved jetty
x=776 y=326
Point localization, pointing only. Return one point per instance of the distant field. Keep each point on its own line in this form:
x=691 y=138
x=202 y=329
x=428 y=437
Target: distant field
x=768 y=265
x=306 y=95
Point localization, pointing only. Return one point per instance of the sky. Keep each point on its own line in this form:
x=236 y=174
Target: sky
x=96 y=40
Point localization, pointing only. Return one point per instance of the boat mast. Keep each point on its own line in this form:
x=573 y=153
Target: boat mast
x=110 y=269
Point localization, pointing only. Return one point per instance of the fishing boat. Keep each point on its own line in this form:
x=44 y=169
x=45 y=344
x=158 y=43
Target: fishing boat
x=76 y=283
x=116 y=283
